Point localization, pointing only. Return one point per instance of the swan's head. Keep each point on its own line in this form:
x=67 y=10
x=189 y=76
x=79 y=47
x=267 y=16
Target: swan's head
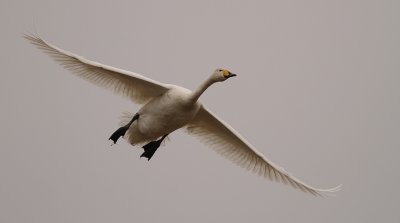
x=220 y=75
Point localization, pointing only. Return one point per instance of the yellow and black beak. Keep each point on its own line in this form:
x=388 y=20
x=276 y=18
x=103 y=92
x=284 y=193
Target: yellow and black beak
x=230 y=75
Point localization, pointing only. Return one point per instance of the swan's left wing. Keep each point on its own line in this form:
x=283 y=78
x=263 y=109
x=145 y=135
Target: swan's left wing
x=134 y=86
x=226 y=141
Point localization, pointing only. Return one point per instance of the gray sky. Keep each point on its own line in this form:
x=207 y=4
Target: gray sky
x=317 y=93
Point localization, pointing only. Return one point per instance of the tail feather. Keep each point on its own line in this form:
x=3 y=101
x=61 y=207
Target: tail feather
x=125 y=118
x=131 y=136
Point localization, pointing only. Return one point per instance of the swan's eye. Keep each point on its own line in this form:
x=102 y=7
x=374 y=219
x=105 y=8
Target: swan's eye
x=219 y=70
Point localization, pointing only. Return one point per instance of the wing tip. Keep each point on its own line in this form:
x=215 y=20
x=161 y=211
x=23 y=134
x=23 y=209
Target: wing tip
x=279 y=175
x=30 y=36
x=330 y=192
x=34 y=39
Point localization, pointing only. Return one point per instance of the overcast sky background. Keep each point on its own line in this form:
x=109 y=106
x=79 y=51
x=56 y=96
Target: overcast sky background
x=317 y=92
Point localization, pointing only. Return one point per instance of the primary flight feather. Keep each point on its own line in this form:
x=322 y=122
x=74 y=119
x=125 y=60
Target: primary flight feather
x=167 y=108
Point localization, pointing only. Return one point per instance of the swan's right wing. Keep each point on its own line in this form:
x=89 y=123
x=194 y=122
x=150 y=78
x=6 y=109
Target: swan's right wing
x=226 y=141
x=136 y=87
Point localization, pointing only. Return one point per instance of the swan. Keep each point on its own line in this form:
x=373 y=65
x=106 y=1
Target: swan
x=166 y=108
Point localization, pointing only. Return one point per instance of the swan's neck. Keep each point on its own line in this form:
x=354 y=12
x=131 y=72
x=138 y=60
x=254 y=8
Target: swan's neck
x=200 y=90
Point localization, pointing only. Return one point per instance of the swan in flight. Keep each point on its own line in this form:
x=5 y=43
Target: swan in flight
x=166 y=108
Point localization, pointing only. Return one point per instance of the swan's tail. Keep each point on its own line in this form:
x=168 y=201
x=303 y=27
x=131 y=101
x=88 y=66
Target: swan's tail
x=132 y=135
x=125 y=118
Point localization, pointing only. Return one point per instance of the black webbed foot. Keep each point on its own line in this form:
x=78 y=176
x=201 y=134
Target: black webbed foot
x=119 y=133
x=122 y=130
x=151 y=147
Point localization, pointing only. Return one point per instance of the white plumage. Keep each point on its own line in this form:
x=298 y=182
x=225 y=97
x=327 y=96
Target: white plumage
x=170 y=107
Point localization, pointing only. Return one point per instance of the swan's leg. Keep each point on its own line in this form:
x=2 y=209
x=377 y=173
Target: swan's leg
x=151 y=147
x=122 y=130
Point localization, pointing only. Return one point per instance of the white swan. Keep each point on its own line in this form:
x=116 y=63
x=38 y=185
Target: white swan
x=170 y=107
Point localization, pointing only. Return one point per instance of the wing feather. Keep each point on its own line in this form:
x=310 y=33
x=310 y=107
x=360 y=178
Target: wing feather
x=134 y=86
x=226 y=141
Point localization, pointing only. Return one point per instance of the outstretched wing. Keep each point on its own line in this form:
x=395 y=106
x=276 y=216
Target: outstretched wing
x=138 y=88
x=226 y=141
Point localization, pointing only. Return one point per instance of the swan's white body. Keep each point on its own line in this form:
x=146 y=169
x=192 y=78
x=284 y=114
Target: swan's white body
x=169 y=107
x=162 y=115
